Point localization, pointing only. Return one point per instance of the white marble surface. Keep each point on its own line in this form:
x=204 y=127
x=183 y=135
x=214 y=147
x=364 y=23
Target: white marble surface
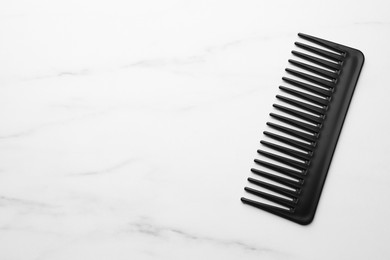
x=128 y=129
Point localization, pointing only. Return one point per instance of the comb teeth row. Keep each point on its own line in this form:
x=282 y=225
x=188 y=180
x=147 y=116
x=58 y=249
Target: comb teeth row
x=302 y=132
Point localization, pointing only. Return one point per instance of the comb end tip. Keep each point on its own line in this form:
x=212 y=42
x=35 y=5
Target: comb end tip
x=306 y=220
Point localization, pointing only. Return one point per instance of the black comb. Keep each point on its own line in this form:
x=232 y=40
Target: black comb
x=314 y=115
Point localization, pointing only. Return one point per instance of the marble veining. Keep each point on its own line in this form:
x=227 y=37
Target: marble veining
x=128 y=129
x=109 y=169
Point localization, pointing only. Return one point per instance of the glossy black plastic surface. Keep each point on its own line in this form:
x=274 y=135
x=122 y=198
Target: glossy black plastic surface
x=338 y=71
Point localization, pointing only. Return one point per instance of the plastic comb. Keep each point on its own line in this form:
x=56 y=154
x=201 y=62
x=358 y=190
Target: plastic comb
x=311 y=115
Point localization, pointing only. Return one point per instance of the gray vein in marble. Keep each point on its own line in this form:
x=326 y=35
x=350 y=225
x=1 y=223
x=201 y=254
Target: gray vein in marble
x=155 y=63
x=32 y=130
x=151 y=63
x=4 y=200
x=193 y=59
x=82 y=72
x=157 y=231
x=225 y=46
x=22 y=133
x=109 y=169
x=29 y=229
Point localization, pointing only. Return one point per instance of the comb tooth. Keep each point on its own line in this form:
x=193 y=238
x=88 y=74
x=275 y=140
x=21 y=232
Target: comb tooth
x=269 y=208
x=305 y=116
x=308 y=107
x=316 y=70
x=311 y=78
x=289 y=183
x=270 y=197
x=327 y=44
x=299 y=134
x=289 y=141
x=318 y=61
x=288 y=151
x=308 y=97
x=302 y=125
x=274 y=188
x=323 y=53
x=286 y=171
x=293 y=163
x=311 y=88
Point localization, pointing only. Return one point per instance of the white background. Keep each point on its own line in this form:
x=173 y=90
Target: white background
x=128 y=128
